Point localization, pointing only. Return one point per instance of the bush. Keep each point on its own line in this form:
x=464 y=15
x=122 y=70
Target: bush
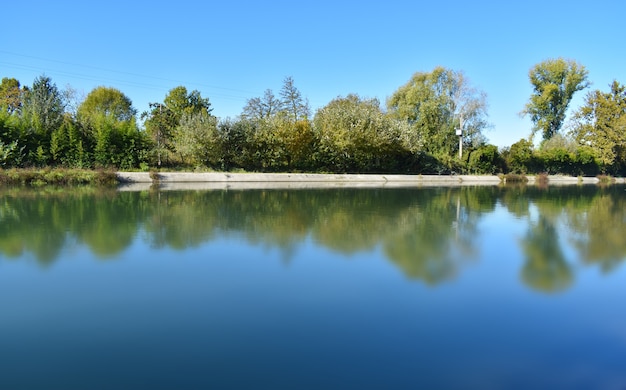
x=485 y=160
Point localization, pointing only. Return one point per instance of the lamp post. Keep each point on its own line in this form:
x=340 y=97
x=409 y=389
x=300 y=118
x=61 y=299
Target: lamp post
x=459 y=132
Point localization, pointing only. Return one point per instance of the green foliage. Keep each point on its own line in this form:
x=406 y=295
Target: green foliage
x=433 y=105
x=11 y=95
x=107 y=120
x=600 y=124
x=42 y=112
x=67 y=145
x=485 y=160
x=356 y=136
x=58 y=176
x=196 y=140
x=163 y=120
x=108 y=102
x=180 y=102
x=8 y=153
x=554 y=83
x=520 y=158
x=237 y=145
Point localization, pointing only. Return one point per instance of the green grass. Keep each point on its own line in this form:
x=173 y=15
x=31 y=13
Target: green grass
x=57 y=176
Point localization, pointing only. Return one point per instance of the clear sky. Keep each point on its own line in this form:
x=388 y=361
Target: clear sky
x=233 y=50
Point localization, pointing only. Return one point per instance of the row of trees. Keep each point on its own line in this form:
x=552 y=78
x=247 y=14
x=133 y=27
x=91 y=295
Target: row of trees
x=42 y=125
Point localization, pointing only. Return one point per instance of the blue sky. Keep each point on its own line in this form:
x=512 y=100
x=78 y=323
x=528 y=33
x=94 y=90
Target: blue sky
x=233 y=50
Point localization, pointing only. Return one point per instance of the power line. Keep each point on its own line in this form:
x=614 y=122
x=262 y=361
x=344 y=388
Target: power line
x=178 y=82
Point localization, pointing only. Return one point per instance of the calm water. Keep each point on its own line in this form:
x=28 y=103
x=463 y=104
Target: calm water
x=429 y=288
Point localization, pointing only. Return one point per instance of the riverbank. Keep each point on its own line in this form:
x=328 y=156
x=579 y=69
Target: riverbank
x=217 y=180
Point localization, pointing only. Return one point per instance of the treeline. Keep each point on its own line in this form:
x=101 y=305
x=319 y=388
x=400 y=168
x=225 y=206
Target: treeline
x=41 y=125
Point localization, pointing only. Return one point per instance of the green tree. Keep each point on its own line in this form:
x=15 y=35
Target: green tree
x=11 y=95
x=356 y=136
x=106 y=101
x=486 y=160
x=108 y=117
x=42 y=112
x=554 y=83
x=435 y=103
x=520 y=157
x=67 y=145
x=162 y=120
x=196 y=140
x=236 y=138
x=181 y=102
x=601 y=125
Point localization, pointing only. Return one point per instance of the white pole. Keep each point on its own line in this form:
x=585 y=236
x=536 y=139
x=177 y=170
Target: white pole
x=460 y=137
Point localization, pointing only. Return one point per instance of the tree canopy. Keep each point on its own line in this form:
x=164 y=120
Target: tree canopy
x=106 y=101
x=554 y=83
x=11 y=95
x=601 y=124
x=434 y=103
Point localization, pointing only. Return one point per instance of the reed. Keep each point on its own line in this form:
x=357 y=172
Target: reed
x=605 y=179
x=515 y=178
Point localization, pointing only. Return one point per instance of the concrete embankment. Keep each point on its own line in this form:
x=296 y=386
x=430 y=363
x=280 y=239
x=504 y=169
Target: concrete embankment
x=216 y=180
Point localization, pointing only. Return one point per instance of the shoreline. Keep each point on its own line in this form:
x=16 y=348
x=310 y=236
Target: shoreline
x=136 y=181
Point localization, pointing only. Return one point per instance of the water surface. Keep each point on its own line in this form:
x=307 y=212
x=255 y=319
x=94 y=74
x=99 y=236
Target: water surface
x=472 y=287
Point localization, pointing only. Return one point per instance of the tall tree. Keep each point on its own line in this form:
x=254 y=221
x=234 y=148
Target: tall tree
x=261 y=108
x=109 y=119
x=181 y=102
x=554 y=83
x=601 y=124
x=43 y=106
x=292 y=102
x=163 y=119
x=42 y=112
x=434 y=103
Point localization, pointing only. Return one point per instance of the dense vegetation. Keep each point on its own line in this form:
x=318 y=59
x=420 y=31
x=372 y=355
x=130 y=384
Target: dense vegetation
x=42 y=126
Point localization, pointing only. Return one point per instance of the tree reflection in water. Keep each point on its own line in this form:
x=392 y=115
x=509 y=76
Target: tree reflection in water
x=428 y=233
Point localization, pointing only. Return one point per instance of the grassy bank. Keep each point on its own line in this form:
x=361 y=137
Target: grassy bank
x=57 y=176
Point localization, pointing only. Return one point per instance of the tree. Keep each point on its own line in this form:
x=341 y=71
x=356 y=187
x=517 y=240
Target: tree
x=42 y=112
x=181 y=102
x=163 y=118
x=196 y=139
x=43 y=106
x=486 y=160
x=108 y=117
x=11 y=95
x=261 y=108
x=434 y=103
x=292 y=103
x=67 y=145
x=520 y=157
x=106 y=101
x=554 y=83
x=601 y=125
x=236 y=138
x=355 y=135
